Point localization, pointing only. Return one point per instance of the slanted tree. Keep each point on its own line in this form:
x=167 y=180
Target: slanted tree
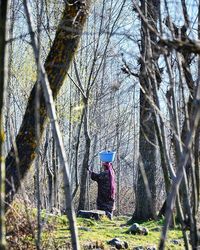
x=56 y=65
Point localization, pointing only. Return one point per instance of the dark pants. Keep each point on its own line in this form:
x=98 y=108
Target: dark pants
x=109 y=214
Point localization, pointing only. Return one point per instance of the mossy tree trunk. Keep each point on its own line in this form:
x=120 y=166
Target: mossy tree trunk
x=56 y=65
x=3 y=80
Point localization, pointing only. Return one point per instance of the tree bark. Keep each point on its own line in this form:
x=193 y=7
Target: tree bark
x=4 y=6
x=56 y=66
x=84 y=172
x=148 y=147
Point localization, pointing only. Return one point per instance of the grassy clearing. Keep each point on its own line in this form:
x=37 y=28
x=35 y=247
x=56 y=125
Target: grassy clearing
x=21 y=229
x=105 y=230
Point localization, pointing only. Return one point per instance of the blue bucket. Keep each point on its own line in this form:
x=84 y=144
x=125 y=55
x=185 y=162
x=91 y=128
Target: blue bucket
x=107 y=156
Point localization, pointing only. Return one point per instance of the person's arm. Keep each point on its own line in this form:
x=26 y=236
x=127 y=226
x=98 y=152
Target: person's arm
x=94 y=176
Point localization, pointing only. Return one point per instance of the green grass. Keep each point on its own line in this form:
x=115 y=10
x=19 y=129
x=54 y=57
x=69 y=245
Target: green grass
x=93 y=233
x=56 y=233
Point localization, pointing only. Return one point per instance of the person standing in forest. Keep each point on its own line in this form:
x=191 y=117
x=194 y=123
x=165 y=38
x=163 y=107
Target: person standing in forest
x=106 y=188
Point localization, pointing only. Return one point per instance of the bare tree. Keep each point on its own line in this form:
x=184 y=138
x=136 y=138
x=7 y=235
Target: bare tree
x=56 y=65
x=86 y=88
x=148 y=145
x=4 y=7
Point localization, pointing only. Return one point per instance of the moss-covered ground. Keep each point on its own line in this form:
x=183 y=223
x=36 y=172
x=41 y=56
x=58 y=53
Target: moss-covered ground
x=98 y=233
x=22 y=229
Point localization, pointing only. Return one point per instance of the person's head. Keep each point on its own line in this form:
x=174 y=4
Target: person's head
x=106 y=165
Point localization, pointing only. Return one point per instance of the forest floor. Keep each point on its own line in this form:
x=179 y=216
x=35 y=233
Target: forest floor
x=21 y=226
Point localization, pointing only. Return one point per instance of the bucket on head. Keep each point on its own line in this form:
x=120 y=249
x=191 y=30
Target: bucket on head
x=107 y=156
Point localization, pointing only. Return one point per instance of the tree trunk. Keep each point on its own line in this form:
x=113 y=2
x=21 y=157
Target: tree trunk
x=148 y=142
x=56 y=65
x=77 y=139
x=55 y=175
x=4 y=6
x=83 y=184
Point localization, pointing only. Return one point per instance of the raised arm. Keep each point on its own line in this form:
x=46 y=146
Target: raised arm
x=94 y=176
